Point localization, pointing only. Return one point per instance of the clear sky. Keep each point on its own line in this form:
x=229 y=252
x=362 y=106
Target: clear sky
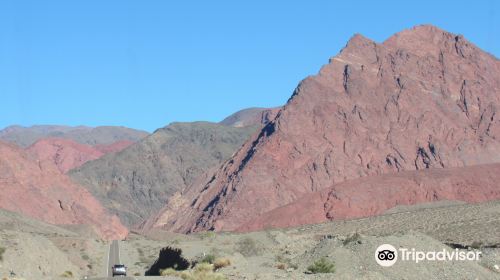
x=144 y=64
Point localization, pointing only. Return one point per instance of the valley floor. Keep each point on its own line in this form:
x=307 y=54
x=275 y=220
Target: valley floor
x=39 y=251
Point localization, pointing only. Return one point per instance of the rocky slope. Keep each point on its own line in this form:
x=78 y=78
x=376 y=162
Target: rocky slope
x=424 y=98
x=39 y=190
x=113 y=147
x=67 y=154
x=136 y=182
x=26 y=136
x=251 y=116
x=370 y=196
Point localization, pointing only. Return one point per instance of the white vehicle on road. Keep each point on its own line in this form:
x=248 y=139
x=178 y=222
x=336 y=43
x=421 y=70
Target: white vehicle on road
x=119 y=269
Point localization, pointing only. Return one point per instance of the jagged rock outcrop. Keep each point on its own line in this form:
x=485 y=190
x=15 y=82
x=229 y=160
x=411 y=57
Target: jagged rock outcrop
x=37 y=188
x=423 y=99
x=136 y=182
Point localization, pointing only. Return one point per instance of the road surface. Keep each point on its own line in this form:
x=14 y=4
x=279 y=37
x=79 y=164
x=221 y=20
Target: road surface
x=113 y=257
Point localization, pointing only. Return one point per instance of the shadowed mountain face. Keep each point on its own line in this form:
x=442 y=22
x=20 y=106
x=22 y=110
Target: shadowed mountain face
x=251 y=116
x=423 y=99
x=105 y=135
x=136 y=182
x=37 y=188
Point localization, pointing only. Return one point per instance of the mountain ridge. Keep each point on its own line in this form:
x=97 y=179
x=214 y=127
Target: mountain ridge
x=105 y=135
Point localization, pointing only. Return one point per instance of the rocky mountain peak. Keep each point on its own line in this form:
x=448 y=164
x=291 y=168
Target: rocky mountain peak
x=429 y=40
x=417 y=101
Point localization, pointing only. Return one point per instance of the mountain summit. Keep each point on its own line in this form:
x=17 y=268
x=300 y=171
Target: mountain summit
x=423 y=99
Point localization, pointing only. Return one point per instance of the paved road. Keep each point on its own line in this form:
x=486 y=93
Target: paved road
x=113 y=257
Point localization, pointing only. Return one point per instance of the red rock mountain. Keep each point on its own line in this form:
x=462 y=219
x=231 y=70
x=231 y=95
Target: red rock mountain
x=423 y=99
x=37 y=188
x=67 y=154
x=362 y=197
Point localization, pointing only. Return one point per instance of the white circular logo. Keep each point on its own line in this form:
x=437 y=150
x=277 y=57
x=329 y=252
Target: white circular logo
x=386 y=255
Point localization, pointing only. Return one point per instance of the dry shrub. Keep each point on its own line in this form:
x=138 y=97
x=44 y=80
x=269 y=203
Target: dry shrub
x=248 y=247
x=281 y=266
x=221 y=262
x=322 y=265
x=67 y=274
x=2 y=251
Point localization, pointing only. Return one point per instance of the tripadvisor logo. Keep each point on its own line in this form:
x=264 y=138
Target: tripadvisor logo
x=387 y=255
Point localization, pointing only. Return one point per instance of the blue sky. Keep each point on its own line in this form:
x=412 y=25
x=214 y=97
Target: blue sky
x=144 y=64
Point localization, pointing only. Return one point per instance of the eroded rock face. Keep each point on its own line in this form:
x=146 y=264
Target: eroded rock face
x=374 y=195
x=423 y=99
x=37 y=188
x=67 y=154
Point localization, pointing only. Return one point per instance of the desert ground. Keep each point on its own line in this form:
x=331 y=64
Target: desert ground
x=34 y=250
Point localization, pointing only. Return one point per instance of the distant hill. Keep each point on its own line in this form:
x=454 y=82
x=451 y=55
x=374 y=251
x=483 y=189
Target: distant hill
x=136 y=182
x=251 y=116
x=101 y=135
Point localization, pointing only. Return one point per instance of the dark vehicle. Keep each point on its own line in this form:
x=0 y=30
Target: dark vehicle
x=119 y=269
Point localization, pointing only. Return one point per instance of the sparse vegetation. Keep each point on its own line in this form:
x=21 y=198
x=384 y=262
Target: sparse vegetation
x=67 y=274
x=202 y=271
x=221 y=262
x=2 y=251
x=207 y=235
x=209 y=258
x=142 y=258
x=137 y=274
x=353 y=238
x=281 y=266
x=322 y=265
x=284 y=263
x=140 y=252
x=248 y=247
